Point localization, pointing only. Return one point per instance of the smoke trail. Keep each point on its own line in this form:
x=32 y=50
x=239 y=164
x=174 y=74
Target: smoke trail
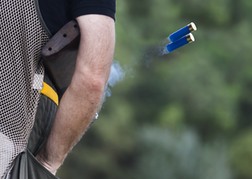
x=116 y=74
x=155 y=52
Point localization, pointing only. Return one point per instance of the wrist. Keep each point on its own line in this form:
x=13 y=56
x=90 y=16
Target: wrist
x=47 y=165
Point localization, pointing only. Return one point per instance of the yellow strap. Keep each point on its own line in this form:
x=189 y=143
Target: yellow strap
x=50 y=93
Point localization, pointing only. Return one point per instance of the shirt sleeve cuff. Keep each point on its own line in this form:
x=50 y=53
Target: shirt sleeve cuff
x=101 y=10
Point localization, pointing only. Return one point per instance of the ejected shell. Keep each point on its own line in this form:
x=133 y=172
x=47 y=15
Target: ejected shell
x=182 y=32
x=179 y=43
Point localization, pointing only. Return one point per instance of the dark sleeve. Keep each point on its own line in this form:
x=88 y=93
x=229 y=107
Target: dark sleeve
x=56 y=13
x=103 y=7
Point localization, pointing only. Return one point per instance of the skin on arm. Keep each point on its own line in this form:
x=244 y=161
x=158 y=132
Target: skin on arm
x=83 y=97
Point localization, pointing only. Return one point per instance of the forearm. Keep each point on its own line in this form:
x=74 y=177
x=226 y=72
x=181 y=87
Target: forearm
x=83 y=97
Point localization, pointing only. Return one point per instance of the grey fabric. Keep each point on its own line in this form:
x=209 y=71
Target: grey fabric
x=60 y=66
x=27 y=167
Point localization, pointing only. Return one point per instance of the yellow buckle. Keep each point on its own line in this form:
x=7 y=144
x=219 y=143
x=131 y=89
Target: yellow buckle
x=50 y=93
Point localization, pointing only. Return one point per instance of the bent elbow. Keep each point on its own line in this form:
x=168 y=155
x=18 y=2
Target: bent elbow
x=89 y=83
x=96 y=84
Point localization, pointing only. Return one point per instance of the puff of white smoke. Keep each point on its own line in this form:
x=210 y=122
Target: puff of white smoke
x=116 y=74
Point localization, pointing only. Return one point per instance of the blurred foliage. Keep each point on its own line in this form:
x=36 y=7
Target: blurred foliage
x=186 y=115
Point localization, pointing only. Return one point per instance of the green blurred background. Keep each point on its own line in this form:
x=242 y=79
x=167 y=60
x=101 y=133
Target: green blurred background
x=186 y=115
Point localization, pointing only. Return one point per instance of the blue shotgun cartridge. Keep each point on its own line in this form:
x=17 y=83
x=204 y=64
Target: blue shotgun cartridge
x=179 y=43
x=182 y=32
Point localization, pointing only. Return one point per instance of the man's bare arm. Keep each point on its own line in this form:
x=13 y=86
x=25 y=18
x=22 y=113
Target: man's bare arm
x=83 y=97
